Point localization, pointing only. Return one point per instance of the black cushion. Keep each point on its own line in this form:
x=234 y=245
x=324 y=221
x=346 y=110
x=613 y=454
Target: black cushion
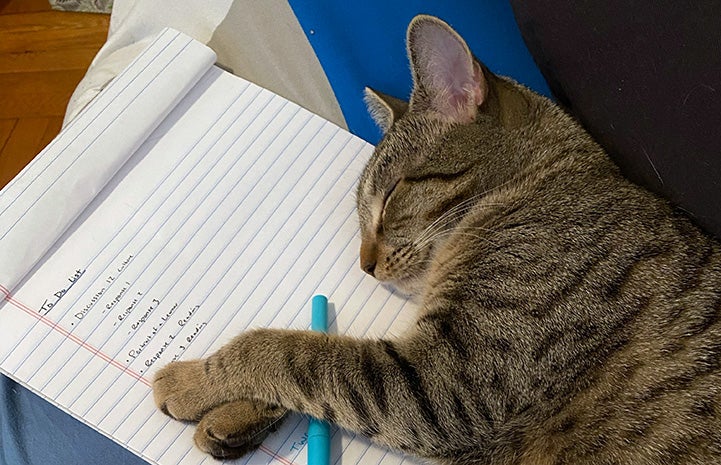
x=644 y=78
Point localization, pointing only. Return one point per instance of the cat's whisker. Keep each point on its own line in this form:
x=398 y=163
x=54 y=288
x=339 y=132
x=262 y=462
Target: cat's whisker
x=431 y=259
x=441 y=234
x=430 y=233
x=466 y=205
x=444 y=217
x=420 y=245
x=469 y=202
x=439 y=224
x=467 y=228
x=451 y=215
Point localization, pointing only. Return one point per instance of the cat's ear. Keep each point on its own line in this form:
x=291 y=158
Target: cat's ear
x=446 y=77
x=383 y=108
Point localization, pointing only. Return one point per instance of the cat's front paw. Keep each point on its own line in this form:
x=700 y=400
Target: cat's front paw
x=237 y=428
x=182 y=390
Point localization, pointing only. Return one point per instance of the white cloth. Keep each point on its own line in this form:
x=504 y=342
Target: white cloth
x=259 y=41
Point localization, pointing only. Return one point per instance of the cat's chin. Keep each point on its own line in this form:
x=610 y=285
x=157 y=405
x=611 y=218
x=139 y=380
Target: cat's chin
x=404 y=289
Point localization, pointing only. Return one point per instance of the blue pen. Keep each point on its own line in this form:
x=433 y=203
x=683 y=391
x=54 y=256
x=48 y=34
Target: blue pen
x=319 y=431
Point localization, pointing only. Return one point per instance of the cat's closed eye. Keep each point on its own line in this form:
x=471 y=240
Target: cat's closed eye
x=387 y=196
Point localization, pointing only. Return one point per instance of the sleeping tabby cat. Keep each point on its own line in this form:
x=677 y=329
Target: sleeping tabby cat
x=566 y=316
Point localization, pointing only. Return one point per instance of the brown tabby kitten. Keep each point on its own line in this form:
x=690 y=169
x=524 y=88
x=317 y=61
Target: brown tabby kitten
x=566 y=315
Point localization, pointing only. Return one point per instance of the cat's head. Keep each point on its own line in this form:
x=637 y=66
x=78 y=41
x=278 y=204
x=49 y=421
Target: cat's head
x=430 y=166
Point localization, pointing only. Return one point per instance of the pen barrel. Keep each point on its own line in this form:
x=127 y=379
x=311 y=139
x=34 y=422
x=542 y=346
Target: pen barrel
x=319 y=431
x=319 y=315
x=318 y=442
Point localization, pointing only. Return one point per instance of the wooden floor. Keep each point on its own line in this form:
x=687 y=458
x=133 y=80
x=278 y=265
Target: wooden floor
x=43 y=56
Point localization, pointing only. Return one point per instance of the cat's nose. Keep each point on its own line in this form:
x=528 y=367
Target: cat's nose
x=368 y=257
x=369 y=267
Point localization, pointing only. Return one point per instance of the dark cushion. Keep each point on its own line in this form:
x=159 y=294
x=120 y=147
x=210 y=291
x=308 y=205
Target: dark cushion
x=644 y=78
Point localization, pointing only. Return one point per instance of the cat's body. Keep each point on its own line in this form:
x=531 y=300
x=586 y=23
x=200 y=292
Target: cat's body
x=565 y=314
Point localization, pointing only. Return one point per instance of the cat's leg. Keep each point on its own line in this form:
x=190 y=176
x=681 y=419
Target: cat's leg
x=377 y=388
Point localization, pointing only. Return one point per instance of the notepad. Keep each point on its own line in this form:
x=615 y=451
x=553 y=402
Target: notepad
x=181 y=207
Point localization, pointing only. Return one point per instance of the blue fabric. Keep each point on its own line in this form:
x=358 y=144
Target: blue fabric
x=358 y=44
x=33 y=431
x=362 y=44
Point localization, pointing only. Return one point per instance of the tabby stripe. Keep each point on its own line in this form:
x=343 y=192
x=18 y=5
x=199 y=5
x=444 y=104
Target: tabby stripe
x=549 y=340
x=614 y=286
x=460 y=414
x=328 y=413
x=570 y=283
x=704 y=407
x=580 y=275
x=680 y=451
x=483 y=409
x=710 y=316
x=513 y=208
x=301 y=374
x=374 y=378
x=671 y=317
x=709 y=358
x=479 y=405
x=370 y=430
x=499 y=344
x=368 y=425
x=414 y=384
x=415 y=444
x=497 y=381
x=447 y=332
x=692 y=282
x=594 y=351
x=566 y=425
x=584 y=448
x=597 y=353
x=515 y=225
x=668 y=386
x=639 y=428
x=499 y=301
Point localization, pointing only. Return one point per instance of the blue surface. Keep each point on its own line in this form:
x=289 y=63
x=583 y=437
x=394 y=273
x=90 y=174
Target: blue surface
x=362 y=44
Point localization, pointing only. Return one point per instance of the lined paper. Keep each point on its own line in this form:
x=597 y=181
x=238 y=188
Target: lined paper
x=232 y=212
x=57 y=185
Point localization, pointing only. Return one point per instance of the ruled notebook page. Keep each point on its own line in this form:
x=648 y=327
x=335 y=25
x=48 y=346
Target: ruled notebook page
x=43 y=200
x=231 y=215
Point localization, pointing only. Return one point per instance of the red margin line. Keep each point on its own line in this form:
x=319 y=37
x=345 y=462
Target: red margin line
x=53 y=325
x=275 y=455
x=68 y=335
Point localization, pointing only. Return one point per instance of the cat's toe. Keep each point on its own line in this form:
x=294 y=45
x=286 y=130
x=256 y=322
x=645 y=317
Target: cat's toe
x=181 y=391
x=237 y=428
